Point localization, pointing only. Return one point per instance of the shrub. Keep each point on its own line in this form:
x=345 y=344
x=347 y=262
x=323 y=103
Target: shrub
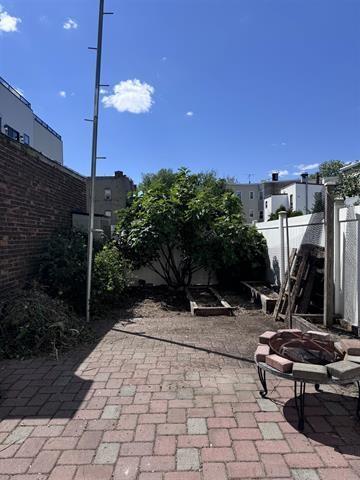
x=63 y=267
x=32 y=323
x=63 y=270
x=111 y=275
x=178 y=223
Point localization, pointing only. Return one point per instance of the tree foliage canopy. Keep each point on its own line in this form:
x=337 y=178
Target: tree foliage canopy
x=178 y=223
x=331 y=168
x=289 y=211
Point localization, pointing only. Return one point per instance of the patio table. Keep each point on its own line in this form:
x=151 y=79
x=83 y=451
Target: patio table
x=299 y=388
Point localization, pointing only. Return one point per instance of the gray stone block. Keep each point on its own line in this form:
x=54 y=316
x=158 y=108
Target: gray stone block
x=318 y=335
x=344 y=370
x=351 y=346
x=352 y=358
x=310 y=372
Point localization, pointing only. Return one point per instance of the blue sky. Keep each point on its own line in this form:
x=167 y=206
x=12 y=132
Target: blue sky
x=239 y=86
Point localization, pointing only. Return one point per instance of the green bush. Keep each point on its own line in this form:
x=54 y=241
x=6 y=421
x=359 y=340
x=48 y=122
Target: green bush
x=178 y=223
x=63 y=267
x=32 y=323
x=63 y=270
x=111 y=275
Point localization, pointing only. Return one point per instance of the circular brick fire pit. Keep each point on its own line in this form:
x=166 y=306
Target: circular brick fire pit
x=310 y=357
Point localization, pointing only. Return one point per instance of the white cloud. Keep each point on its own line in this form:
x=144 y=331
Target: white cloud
x=283 y=144
x=303 y=168
x=70 y=24
x=62 y=93
x=130 y=96
x=189 y=114
x=8 y=23
x=103 y=91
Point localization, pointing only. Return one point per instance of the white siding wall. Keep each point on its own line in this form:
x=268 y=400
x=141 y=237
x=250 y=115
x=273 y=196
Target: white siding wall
x=271 y=204
x=47 y=143
x=308 y=229
x=349 y=264
x=298 y=190
x=20 y=117
x=16 y=114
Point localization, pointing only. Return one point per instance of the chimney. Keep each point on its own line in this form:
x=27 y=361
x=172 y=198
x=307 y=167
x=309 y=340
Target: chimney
x=119 y=173
x=275 y=176
x=304 y=177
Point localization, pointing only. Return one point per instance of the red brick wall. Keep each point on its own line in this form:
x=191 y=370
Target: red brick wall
x=37 y=196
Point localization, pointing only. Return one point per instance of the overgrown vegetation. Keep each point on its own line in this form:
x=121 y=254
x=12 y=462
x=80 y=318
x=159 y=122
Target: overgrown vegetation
x=289 y=211
x=178 y=223
x=319 y=203
x=349 y=184
x=63 y=271
x=33 y=323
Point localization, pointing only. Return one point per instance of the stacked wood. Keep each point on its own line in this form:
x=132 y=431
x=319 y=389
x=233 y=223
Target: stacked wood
x=303 y=284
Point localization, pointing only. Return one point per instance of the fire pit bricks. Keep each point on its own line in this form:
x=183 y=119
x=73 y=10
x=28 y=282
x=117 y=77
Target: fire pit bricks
x=344 y=370
x=318 y=360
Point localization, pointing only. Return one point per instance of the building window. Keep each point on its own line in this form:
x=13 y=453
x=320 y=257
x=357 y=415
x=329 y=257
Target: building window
x=10 y=132
x=291 y=202
x=26 y=139
x=107 y=194
x=266 y=204
x=251 y=195
x=261 y=195
x=107 y=213
x=251 y=213
x=261 y=215
x=239 y=195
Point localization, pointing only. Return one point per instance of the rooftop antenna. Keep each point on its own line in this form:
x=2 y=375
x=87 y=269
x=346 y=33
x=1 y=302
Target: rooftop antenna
x=250 y=175
x=94 y=157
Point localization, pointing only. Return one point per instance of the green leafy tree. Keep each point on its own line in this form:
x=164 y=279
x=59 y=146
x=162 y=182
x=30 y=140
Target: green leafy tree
x=289 y=211
x=319 y=203
x=331 y=168
x=349 y=184
x=179 y=223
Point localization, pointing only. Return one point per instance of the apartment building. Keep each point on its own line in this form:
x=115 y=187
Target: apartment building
x=19 y=122
x=111 y=193
x=259 y=200
x=296 y=195
x=252 y=196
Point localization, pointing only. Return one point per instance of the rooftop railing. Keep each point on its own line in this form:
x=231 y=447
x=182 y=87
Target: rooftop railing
x=14 y=92
x=28 y=104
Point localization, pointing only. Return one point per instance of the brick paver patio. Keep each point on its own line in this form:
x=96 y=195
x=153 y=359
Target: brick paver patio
x=150 y=402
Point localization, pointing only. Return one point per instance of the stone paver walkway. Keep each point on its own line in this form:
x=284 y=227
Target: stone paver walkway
x=142 y=405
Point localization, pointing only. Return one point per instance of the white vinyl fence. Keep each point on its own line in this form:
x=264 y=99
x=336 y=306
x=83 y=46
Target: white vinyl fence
x=310 y=229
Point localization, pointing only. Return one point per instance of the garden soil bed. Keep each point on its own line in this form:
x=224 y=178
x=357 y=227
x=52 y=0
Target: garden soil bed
x=160 y=313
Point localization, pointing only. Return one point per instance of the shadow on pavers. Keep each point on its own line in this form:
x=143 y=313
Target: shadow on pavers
x=330 y=420
x=44 y=387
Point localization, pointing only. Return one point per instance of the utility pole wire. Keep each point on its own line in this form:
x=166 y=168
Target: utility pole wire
x=94 y=157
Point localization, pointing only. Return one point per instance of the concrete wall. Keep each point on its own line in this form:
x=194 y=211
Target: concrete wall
x=37 y=197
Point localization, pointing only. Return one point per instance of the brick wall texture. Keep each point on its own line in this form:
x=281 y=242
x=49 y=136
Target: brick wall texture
x=37 y=196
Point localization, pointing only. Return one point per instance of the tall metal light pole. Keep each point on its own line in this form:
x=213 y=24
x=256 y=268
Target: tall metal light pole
x=94 y=157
